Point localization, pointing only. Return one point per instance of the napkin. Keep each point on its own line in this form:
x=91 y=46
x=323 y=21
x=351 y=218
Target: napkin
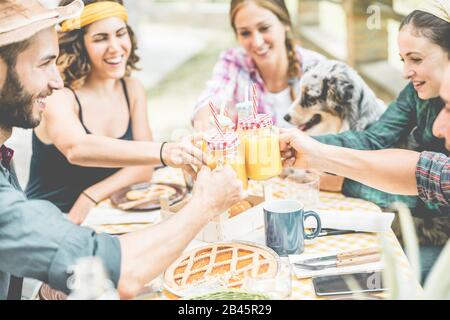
x=353 y=220
x=303 y=273
x=100 y=216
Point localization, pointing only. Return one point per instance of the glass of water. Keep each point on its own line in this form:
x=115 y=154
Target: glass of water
x=303 y=186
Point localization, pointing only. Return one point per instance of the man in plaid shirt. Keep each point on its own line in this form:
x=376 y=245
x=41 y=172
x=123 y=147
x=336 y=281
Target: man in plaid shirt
x=433 y=176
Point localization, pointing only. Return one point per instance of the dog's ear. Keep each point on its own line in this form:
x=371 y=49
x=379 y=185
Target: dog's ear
x=341 y=90
x=340 y=94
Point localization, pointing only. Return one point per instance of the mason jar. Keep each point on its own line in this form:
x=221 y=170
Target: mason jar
x=225 y=149
x=262 y=149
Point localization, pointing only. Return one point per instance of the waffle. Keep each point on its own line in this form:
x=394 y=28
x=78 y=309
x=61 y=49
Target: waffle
x=226 y=263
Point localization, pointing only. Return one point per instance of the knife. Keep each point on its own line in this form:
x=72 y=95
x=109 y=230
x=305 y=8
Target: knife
x=333 y=232
x=340 y=263
x=344 y=255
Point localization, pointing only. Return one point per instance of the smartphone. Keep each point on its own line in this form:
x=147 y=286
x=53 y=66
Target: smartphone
x=337 y=285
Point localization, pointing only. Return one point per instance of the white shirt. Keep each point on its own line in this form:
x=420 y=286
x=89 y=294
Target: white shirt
x=281 y=103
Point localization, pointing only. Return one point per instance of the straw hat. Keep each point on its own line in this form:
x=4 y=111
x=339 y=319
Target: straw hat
x=21 y=19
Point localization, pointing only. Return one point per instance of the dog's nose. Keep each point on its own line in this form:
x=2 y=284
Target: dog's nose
x=287 y=117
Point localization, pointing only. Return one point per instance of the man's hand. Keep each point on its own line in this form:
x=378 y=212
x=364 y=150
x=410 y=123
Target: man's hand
x=218 y=190
x=185 y=154
x=298 y=149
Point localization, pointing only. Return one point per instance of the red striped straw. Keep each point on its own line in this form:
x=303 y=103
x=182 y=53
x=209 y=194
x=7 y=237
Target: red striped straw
x=214 y=114
x=255 y=100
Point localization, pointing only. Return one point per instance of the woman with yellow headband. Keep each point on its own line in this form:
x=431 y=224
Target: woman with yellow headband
x=95 y=137
x=424 y=48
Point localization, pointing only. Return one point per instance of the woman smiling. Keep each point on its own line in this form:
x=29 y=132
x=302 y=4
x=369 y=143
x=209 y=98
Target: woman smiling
x=267 y=56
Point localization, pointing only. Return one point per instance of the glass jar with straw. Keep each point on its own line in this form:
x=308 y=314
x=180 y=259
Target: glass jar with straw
x=262 y=150
x=223 y=148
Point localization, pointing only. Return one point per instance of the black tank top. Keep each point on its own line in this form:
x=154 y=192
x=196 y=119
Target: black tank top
x=54 y=179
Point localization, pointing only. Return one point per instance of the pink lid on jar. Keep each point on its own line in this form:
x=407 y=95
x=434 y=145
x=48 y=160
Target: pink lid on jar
x=260 y=121
x=216 y=141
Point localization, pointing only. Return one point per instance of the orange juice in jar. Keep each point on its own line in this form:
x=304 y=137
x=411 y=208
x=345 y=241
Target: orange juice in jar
x=226 y=125
x=262 y=149
x=223 y=150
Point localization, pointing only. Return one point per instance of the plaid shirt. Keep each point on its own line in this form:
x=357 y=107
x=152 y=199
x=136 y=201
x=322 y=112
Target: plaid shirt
x=407 y=114
x=433 y=178
x=233 y=73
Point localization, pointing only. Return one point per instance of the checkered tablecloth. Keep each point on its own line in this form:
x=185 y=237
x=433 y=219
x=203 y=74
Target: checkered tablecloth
x=301 y=289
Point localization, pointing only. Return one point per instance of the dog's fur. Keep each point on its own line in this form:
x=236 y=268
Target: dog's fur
x=333 y=98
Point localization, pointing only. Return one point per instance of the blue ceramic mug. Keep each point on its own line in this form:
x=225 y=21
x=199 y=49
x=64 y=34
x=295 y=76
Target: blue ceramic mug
x=284 y=227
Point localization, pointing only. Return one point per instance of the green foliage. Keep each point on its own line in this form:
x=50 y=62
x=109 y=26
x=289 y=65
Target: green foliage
x=437 y=285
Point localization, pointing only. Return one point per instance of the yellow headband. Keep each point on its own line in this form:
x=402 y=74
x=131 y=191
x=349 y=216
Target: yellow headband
x=95 y=12
x=438 y=8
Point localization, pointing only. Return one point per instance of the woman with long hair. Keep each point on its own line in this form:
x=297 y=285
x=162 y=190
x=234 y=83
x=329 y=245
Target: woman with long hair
x=268 y=56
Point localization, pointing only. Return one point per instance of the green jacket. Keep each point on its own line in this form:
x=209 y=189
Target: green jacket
x=407 y=114
x=37 y=241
